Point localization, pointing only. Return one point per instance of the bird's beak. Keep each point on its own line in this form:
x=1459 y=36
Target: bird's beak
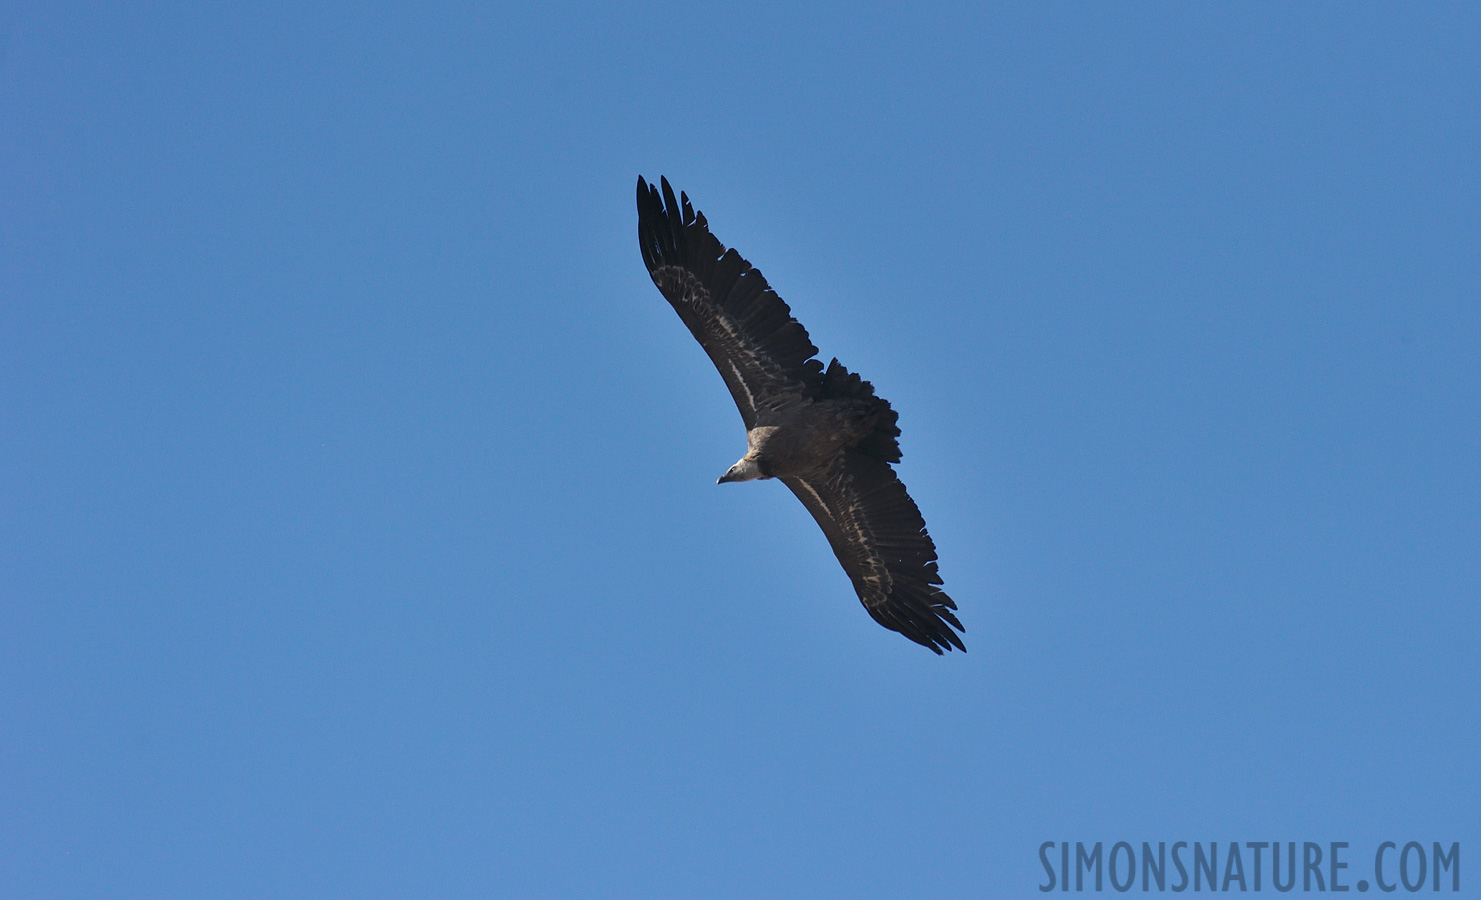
x=724 y=478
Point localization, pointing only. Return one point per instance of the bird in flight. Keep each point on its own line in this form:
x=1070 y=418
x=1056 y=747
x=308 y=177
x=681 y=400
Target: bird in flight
x=822 y=432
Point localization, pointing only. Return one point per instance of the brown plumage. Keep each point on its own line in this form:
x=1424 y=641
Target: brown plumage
x=822 y=432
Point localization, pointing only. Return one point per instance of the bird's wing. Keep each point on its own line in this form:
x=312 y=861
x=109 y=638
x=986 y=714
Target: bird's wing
x=878 y=534
x=763 y=353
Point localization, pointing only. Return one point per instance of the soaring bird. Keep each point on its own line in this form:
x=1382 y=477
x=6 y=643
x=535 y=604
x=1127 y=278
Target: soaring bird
x=822 y=432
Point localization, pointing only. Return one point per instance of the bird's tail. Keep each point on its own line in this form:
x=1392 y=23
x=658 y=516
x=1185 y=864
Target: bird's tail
x=882 y=440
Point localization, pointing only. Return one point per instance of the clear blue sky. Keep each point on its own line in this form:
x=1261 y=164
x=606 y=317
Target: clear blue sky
x=358 y=527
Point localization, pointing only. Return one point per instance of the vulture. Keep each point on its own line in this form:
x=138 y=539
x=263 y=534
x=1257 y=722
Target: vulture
x=821 y=431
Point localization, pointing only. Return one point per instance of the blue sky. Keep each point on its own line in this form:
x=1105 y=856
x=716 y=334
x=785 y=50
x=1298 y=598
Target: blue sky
x=358 y=525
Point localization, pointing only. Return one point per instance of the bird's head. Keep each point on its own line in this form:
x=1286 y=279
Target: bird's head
x=746 y=470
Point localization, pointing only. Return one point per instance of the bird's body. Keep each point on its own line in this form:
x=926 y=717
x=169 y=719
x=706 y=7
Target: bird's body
x=799 y=438
x=822 y=432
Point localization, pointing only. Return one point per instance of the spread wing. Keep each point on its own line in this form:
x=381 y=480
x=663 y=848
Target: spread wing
x=763 y=353
x=877 y=533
